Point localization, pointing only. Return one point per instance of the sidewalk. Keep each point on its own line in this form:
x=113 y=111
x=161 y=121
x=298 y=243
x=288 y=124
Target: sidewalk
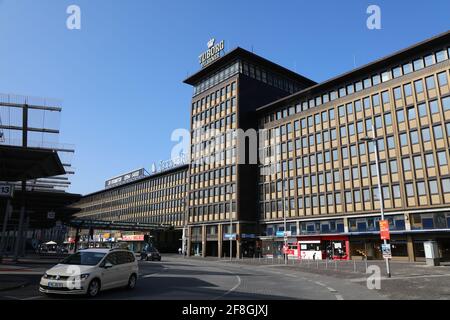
x=32 y=259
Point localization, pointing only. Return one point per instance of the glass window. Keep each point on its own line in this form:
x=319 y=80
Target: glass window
x=446 y=104
x=418 y=162
x=438 y=134
x=396 y=191
x=434 y=108
x=407 y=68
x=433 y=187
x=429 y=160
x=393 y=166
x=442 y=158
x=366 y=103
x=429 y=60
x=391 y=142
x=349 y=108
x=430 y=82
x=376 y=100
x=331 y=114
x=414 y=137
x=396 y=72
x=409 y=190
x=418 y=85
x=442 y=78
x=387 y=119
x=446 y=185
x=418 y=64
x=422 y=109
x=421 y=191
x=440 y=56
x=426 y=136
x=406 y=164
x=385 y=76
x=408 y=90
x=400 y=116
x=397 y=93
x=385 y=97
x=376 y=79
x=411 y=113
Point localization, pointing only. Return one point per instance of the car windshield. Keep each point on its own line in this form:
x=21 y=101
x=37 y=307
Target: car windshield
x=84 y=258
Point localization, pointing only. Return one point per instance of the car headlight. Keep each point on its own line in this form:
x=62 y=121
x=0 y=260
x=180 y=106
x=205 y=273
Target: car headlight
x=84 y=276
x=45 y=276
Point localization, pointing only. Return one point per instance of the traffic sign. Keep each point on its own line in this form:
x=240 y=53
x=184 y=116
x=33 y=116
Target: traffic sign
x=384 y=230
x=51 y=215
x=386 y=250
x=230 y=236
x=6 y=191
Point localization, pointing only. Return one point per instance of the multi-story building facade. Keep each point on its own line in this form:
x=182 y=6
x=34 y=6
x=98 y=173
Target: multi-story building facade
x=320 y=175
x=226 y=95
x=330 y=179
x=158 y=199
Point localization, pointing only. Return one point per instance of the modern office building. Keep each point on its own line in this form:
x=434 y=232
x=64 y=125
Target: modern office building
x=331 y=198
x=157 y=199
x=317 y=171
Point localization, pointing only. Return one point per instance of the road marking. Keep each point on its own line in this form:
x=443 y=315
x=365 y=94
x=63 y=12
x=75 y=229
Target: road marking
x=331 y=289
x=403 y=277
x=149 y=275
x=34 y=298
x=339 y=297
x=290 y=275
x=11 y=297
x=319 y=283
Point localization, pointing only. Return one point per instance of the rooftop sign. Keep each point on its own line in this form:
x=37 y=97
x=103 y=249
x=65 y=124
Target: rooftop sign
x=165 y=165
x=125 y=178
x=213 y=52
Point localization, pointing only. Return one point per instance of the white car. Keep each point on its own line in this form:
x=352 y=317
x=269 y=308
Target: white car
x=91 y=271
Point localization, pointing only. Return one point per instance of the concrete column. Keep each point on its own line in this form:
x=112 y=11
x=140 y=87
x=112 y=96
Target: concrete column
x=219 y=240
x=238 y=241
x=297 y=225
x=203 y=241
x=346 y=225
x=407 y=221
x=19 y=234
x=410 y=248
x=189 y=241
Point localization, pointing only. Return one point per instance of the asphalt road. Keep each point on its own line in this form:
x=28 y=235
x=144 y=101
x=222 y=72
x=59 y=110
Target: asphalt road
x=176 y=278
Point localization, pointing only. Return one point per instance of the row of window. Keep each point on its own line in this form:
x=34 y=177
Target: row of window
x=406 y=68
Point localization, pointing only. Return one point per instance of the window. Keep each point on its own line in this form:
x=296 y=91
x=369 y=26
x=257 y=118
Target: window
x=393 y=165
x=408 y=90
x=430 y=82
x=406 y=164
x=358 y=106
x=440 y=56
x=341 y=111
x=426 y=136
x=376 y=100
x=429 y=160
x=411 y=113
x=442 y=158
x=422 y=110
x=446 y=185
x=438 y=134
x=391 y=142
x=414 y=137
x=418 y=162
x=418 y=64
x=385 y=76
x=387 y=119
x=409 y=190
x=418 y=85
x=331 y=114
x=446 y=103
x=397 y=93
x=400 y=116
x=442 y=78
x=396 y=191
x=396 y=72
x=433 y=187
x=429 y=60
x=421 y=191
x=385 y=97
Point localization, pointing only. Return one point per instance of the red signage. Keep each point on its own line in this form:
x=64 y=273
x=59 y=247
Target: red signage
x=384 y=230
x=133 y=237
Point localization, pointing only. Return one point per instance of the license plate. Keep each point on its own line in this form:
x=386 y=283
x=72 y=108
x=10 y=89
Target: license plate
x=55 y=285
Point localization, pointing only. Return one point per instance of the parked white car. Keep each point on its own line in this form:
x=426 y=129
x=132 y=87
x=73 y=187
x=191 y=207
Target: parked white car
x=91 y=271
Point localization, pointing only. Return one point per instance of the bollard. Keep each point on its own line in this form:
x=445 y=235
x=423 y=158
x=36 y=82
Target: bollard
x=326 y=263
x=335 y=264
x=365 y=260
x=317 y=264
x=354 y=265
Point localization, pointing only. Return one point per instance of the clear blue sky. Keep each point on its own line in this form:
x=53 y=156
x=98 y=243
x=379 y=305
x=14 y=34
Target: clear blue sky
x=120 y=76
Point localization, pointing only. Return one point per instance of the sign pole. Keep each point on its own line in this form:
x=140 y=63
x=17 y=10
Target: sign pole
x=380 y=194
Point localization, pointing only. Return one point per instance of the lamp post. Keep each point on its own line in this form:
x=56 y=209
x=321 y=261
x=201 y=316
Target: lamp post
x=373 y=139
x=284 y=213
x=183 y=244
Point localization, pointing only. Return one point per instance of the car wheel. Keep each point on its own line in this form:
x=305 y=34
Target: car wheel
x=94 y=288
x=132 y=282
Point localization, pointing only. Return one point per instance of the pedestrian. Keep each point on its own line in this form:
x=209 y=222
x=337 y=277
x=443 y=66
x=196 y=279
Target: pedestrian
x=179 y=251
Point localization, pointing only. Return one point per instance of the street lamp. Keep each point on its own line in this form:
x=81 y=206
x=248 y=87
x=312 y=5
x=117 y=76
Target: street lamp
x=373 y=139
x=184 y=244
x=284 y=213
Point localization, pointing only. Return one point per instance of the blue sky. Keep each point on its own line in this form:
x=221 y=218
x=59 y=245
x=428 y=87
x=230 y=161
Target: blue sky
x=120 y=76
